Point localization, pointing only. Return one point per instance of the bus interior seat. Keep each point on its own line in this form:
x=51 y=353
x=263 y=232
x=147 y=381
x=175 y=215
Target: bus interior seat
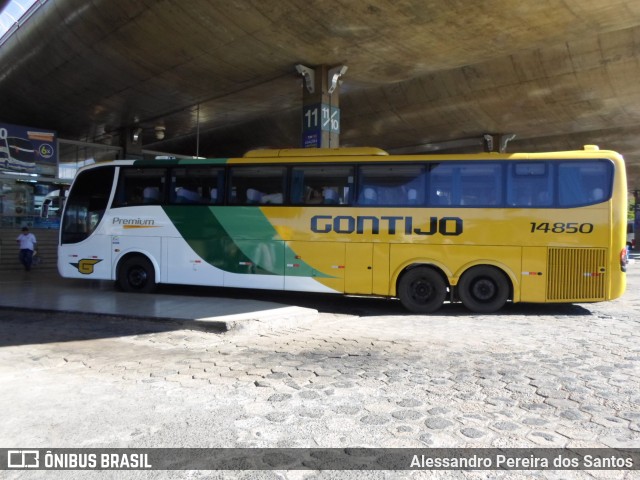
x=184 y=195
x=272 y=198
x=597 y=194
x=253 y=196
x=369 y=196
x=151 y=195
x=330 y=196
x=412 y=196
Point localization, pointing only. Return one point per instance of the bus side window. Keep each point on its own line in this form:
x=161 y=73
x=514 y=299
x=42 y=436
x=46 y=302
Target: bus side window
x=251 y=185
x=530 y=184
x=299 y=194
x=391 y=185
x=215 y=185
x=322 y=185
x=140 y=186
x=440 y=184
x=480 y=184
x=196 y=185
x=584 y=183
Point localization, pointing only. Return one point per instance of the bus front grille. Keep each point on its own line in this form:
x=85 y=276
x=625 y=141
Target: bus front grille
x=576 y=274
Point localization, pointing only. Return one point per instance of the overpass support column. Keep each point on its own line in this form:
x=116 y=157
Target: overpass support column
x=321 y=106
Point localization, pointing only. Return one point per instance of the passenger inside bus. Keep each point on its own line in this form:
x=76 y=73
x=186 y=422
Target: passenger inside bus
x=330 y=196
x=186 y=195
x=369 y=196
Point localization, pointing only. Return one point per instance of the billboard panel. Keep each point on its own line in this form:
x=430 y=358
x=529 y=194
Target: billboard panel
x=28 y=149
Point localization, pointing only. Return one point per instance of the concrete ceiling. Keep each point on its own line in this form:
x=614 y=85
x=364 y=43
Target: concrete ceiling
x=558 y=74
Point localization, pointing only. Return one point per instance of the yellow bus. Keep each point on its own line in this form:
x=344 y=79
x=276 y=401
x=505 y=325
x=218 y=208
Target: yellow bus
x=482 y=229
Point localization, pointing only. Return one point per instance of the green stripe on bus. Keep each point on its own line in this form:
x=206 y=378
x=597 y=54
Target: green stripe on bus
x=219 y=235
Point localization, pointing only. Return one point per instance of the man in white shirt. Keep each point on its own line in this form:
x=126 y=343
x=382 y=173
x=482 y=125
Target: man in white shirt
x=27 y=242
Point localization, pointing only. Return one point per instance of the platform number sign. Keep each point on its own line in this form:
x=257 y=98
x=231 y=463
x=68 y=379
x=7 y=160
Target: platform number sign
x=321 y=117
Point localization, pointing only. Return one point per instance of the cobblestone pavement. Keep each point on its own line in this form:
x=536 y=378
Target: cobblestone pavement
x=364 y=373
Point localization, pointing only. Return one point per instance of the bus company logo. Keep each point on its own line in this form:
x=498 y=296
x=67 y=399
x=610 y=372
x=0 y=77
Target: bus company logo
x=389 y=225
x=85 y=266
x=45 y=150
x=23 y=459
x=134 y=222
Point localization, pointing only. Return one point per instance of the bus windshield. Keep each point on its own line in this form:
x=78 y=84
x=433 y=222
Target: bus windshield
x=86 y=204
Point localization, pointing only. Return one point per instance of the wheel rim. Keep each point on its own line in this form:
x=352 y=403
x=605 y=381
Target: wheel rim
x=484 y=290
x=137 y=277
x=422 y=291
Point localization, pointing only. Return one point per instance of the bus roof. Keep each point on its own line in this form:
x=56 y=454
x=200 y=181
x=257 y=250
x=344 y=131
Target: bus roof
x=314 y=152
x=367 y=154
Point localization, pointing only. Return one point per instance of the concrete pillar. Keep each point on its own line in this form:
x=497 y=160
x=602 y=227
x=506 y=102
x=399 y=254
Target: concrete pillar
x=321 y=106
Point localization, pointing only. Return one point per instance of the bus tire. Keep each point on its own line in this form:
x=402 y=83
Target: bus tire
x=136 y=274
x=422 y=290
x=483 y=289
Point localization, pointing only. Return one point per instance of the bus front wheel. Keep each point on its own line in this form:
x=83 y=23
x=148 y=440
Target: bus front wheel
x=136 y=274
x=422 y=290
x=483 y=289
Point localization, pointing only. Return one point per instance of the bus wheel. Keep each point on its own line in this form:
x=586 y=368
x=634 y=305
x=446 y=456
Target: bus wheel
x=136 y=274
x=422 y=290
x=483 y=289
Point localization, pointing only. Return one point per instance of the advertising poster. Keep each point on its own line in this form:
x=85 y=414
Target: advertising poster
x=28 y=149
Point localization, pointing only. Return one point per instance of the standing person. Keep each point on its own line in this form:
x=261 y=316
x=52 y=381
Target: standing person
x=27 y=242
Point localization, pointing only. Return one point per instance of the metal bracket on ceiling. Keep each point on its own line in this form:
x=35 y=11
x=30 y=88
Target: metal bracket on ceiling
x=309 y=77
x=497 y=142
x=334 y=77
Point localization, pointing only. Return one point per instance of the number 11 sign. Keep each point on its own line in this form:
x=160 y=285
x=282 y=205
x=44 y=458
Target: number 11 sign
x=321 y=116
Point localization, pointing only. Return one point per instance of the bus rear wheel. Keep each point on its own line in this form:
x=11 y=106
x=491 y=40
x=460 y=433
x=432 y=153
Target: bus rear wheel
x=483 y=289
x=136 y=274
x=422 y=290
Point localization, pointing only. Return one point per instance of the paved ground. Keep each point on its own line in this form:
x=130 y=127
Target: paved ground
x=360 y=373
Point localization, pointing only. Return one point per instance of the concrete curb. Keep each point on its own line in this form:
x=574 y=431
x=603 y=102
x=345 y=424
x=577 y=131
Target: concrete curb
x=251 y=322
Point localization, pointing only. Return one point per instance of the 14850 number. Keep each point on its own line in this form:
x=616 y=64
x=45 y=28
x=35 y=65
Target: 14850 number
x=560 y=227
